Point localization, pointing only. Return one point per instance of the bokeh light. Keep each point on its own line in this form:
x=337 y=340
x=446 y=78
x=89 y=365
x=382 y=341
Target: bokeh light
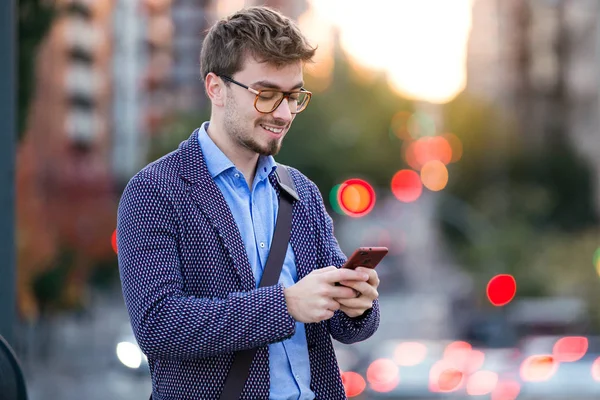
x=383 y=375
x=356 y=197
x=333 y=199
x=408 y=354
x=457 y=353
x=570 y=348
x=407 y=186
x=538 y=368
x=399 y=125
x=456 y=146
x=501 y=289
x=420 y=125
x=113 y=241
x=474 y=361
x=443 y=377
x=434 y=175
x=354 y=383
x=408 y=153
x=432 y=148
x=506 y=390
x=596 y=370
x=482 y=383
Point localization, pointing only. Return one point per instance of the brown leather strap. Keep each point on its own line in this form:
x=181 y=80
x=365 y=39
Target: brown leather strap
x=240 y=370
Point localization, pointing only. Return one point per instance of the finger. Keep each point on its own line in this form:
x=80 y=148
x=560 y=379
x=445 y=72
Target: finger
x=352 y=312
x=373 y=276
x=344 y=274
x=342 y=292
x=333 y=305
x=364 y=288
x=359 y=303
x=323 y=270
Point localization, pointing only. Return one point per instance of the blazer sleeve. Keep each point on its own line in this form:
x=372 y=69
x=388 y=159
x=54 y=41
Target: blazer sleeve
x=168 y=323
x=342 y=328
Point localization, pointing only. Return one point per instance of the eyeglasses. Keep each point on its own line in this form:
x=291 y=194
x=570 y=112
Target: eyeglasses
x=267 y=100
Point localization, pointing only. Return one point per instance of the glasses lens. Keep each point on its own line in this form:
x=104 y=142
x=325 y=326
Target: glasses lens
x=301 y=101
x=268 y=100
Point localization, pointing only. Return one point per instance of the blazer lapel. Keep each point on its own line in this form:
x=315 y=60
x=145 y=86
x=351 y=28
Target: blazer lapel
x=208 y=197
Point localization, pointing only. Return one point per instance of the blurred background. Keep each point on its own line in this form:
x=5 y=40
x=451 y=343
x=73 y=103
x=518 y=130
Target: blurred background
x=463 y=135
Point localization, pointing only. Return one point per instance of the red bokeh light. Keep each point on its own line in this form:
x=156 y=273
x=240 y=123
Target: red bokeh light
x=444 y=377
x=570 y=349
x=475 y=361
x=456 y=145
x=356 y=197
x=457 y=353
x=410 y=353
x=501 y=289
x=382 y=374
x=506 y=390
x=113 y=242
x=538 y=368
x=432 y=148
x=354 y=384
x=596 y=370
x=407 y=186
x=482 y=383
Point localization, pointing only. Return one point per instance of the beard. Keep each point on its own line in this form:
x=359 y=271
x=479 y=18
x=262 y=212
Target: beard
x=235 y=128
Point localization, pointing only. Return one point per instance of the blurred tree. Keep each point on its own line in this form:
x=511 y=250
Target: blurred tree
x=537 y=191
x=34 y=20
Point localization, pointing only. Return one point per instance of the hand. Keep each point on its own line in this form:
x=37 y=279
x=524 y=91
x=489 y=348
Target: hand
x=365 y=294
x=311 y=299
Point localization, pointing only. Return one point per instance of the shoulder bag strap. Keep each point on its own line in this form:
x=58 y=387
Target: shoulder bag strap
x=240 y=370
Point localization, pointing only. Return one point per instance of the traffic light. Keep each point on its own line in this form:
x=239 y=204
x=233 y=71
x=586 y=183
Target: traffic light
x=355 y=197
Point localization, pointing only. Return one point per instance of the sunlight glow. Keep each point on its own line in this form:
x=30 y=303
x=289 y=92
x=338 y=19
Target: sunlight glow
x=421 y=45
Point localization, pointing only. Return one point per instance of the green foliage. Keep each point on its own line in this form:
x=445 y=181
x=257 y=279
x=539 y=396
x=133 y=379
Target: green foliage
x=345 y=132
x=48 y=286
x=34 y=21
x=522 y=194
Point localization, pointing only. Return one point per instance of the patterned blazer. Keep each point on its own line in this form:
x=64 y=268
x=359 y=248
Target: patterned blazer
x=189 y=288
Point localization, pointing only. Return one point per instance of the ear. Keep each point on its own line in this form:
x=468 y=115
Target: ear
x=215 y=89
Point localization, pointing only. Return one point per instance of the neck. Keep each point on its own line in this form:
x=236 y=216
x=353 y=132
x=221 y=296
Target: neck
x=244 y=159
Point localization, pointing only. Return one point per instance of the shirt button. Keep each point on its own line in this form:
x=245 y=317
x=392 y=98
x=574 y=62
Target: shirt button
x=237 y=175
x=262 y=245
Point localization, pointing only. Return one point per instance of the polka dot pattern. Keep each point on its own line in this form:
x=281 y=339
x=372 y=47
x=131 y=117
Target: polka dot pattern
x=190 y=291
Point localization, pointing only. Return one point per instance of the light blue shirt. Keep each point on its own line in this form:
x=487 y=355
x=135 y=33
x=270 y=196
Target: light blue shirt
x=255 y=212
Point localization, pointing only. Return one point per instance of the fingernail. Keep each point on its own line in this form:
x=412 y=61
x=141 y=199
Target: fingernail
x=365 y=276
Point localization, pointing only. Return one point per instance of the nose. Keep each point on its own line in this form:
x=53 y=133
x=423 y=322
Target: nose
x=283 y=111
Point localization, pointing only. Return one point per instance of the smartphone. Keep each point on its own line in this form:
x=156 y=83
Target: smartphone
x=367 y=257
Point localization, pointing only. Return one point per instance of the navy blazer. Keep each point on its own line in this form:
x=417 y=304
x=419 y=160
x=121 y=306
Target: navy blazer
x=189 y=288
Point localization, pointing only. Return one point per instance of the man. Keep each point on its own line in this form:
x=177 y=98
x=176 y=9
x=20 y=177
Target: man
x=195 y=229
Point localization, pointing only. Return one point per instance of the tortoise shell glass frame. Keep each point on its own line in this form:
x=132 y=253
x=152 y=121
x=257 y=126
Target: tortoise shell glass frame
x=267 y=100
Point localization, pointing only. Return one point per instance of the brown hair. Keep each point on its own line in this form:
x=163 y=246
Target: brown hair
x=261 y=32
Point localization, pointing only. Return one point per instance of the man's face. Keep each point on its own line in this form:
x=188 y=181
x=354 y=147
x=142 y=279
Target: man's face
x=261 y=133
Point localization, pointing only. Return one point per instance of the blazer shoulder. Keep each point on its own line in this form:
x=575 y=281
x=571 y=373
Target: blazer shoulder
x=304 y=186
x=164 y=172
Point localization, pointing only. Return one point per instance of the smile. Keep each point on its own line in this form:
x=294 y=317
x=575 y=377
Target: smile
x=272 y=129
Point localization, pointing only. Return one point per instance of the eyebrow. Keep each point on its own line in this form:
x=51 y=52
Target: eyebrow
x=271 y=85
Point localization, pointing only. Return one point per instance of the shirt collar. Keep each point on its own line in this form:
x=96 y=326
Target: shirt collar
x=217 y=162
